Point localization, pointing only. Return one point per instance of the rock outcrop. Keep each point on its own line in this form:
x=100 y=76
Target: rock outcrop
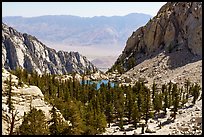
x=177 y=28
x=23 y=98
x=25 y=51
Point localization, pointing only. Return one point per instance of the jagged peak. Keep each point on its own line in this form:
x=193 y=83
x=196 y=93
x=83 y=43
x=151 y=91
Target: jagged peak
x=177 y=25
x=26 y=51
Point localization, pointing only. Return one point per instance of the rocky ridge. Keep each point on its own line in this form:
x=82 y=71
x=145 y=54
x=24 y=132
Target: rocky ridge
x=25 y=51
x=167 y=48
x=177 y=27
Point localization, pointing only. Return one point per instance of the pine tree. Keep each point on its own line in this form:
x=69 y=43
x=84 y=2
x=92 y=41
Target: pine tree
x=183 y=99
x=9 y=93
x=54 y=120
x=97 y=104
x=99 y=119
x=147 y=104
x=58 y=91
x=175 y=96
x=154 y=93
x=154 y=88
x=57 y=125
x=49 y=89
x=163 y=88
x=195 y=92
x=109 y=113
x=173 y=92
x=100 y=123
x=19 y=73
x=135 y=115
x=169 y=92
x=34 y=123
x=76 y=120
x=140 y=98
x=176 y=103
x=140 y=102
x=130 y=103
x=131 y=63
x=66 y=94
x=120 y=69
x=187 y=85
x=165 y=106
x=157 y=102
x=121 y=124
x=120 y=107
x=90 y=120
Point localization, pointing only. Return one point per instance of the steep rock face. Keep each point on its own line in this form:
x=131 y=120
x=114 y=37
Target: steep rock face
x=25 y=51
x=177 y=27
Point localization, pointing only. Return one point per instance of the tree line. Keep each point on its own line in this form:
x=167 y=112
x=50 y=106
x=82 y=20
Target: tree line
x=90 y=110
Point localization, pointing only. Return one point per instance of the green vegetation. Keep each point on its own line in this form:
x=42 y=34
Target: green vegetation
x=89 y=110
x=195 y=92
x=34 y=123
x=9 y=93
x=57 y=125
x=170 y=48
x=120 y=67
x=131 y=63
x=165 y=96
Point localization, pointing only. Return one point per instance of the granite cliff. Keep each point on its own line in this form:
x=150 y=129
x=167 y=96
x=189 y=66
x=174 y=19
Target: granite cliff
x=176 y=31
x=26 y=51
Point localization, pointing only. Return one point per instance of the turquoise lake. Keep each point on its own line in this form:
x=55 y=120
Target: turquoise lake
x=98 y=83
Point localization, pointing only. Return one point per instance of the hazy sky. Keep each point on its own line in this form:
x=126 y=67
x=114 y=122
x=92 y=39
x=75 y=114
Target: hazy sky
x=83 y=9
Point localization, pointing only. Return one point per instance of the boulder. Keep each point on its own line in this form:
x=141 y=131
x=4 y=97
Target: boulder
x=149 y=131
x=197 y=109
x=143 y=79
x=135 y=133
x=128 y=79
x=143 y=69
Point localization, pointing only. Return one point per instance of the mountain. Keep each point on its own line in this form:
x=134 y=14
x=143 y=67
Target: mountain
x=26 y=51
x=75 y=30
x=168 y=47
x=91 y=36
x=103 y=63
x=176 y=31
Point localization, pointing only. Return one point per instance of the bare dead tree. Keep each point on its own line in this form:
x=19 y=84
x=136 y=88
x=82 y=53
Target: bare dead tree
x=12 y=120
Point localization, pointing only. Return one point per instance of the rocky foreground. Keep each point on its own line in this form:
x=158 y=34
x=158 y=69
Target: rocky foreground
x=188 y=122
x=23 y=98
